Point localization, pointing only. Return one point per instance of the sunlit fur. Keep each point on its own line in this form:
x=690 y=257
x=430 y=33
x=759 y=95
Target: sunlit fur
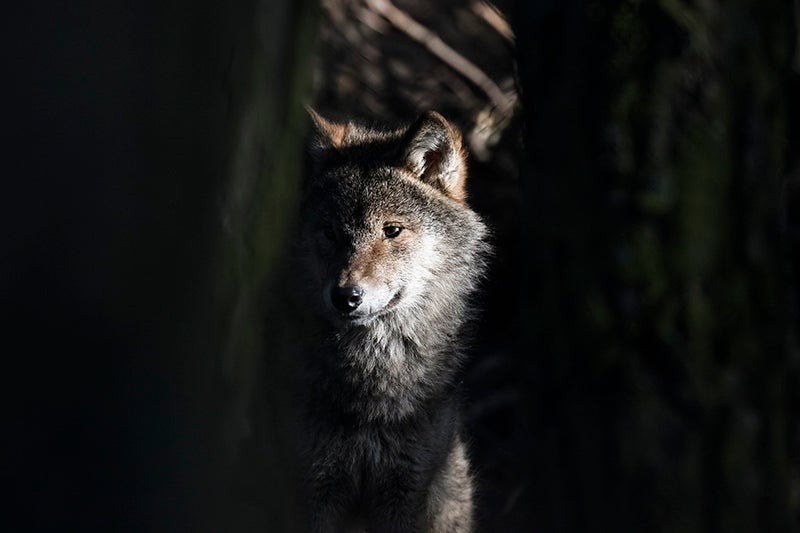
x=386 y=449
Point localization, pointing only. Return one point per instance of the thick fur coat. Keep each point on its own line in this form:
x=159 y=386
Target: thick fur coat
x=391 y=257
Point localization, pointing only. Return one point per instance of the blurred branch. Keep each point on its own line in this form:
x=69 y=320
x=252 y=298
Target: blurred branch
x=492 y=16
x=497 y=115
x=422 y=35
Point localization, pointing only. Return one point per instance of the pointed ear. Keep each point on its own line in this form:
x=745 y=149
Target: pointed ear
x=326 y=134
x=433 y=152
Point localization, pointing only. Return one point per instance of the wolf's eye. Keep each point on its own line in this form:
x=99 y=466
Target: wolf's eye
x=390 y=232
x=329 y=234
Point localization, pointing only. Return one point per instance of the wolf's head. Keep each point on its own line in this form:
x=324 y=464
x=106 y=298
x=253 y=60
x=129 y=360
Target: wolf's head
x=387 y=231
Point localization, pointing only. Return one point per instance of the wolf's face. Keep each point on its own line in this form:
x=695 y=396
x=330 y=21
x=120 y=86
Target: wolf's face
x=374 y=251
x=385 y=218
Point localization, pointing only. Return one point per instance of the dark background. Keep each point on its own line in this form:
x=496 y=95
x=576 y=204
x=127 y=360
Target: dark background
x=637 y=364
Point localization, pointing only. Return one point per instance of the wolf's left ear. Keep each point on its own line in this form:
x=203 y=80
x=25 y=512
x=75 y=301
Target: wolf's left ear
x=433 y=152
x=327 y=134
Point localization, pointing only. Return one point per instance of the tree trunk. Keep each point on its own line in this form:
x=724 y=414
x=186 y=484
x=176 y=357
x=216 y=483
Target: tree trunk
x=662 y=304
x=147 y=221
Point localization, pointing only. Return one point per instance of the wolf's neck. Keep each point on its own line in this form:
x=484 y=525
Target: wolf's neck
x=398 y=363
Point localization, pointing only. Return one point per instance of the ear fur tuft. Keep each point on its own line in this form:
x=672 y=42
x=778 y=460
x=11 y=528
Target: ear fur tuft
x=327 y=134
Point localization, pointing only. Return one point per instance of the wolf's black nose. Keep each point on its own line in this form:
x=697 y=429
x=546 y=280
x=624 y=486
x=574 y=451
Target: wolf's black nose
x=346 y=299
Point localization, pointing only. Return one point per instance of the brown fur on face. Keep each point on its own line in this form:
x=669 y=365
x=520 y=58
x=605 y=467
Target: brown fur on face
x=371 y=263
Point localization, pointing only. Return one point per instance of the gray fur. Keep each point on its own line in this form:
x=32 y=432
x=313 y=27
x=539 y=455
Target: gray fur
x=385 y=440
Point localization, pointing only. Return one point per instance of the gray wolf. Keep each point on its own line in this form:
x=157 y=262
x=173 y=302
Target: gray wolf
x=391 y=256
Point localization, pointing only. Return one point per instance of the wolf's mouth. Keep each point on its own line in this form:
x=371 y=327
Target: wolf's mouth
x=361 y=320
x=394 y=301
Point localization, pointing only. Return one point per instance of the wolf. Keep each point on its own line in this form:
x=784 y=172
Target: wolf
x=391 y=258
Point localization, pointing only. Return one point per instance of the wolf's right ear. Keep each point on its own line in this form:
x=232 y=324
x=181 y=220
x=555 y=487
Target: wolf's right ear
x=433 y=152
x=326 y=135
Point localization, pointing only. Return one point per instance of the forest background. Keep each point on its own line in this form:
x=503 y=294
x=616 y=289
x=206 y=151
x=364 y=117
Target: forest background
x=636 y=367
